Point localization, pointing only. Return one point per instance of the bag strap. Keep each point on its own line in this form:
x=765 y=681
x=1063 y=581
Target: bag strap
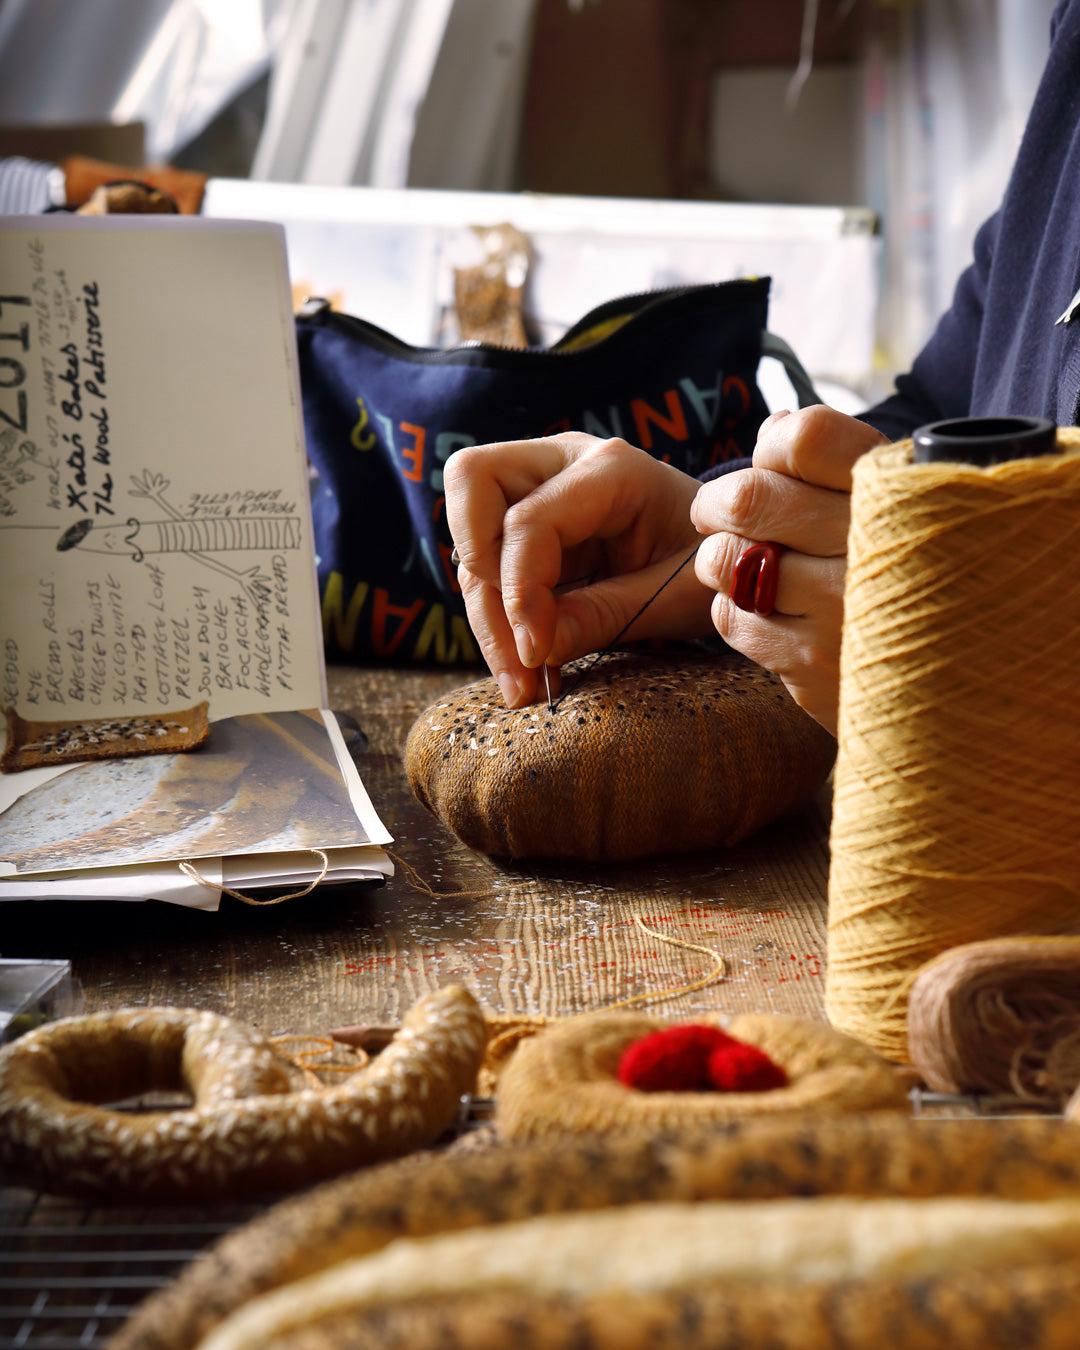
x=776 y=347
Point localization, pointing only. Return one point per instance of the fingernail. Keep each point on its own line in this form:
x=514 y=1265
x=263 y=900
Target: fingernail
x=508 y=687
x=524 y=641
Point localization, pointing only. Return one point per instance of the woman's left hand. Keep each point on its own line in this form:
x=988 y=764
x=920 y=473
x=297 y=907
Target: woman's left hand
x=796 y=494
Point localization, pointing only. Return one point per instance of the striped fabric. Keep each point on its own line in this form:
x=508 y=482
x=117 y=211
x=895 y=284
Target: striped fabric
x=28 y=187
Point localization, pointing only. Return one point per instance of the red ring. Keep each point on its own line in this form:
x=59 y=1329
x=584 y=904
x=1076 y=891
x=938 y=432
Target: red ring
x=755 y=579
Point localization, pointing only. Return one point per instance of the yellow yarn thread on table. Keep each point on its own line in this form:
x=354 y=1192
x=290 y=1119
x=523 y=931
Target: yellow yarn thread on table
x=956 y=811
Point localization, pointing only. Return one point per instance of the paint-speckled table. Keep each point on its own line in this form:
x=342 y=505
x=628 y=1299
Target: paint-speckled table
x=550 y=939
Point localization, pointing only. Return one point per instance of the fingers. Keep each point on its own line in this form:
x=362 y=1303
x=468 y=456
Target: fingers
x=482 y=481
x=804 y=652
x=817 y=445
x=783 y=608
x=800 y=639
x=806 y=586
x=797 y=492
x=760 y=504
x=529 y=518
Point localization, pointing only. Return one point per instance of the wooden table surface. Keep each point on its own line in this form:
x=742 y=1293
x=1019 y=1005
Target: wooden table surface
x=551 y=939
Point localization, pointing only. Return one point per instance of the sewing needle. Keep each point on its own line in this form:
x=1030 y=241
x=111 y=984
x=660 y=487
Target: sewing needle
x=547 y=686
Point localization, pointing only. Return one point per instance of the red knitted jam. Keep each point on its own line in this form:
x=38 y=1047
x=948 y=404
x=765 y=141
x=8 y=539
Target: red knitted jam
x=697 y=1059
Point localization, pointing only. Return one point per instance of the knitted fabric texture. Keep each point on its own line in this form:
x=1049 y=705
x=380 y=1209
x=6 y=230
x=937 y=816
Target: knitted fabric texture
x=564 y=1080
x=691 y=1058
x=1001 y=1015
x=642 y=754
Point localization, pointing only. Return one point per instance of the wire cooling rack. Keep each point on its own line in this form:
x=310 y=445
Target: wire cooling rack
x=70 y=1274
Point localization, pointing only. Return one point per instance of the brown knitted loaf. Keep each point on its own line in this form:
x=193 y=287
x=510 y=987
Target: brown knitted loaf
x=642 y=754
x=565 y=1078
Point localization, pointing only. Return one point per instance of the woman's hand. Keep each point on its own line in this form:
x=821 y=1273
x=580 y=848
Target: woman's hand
x=797 y=494
x=561 y=542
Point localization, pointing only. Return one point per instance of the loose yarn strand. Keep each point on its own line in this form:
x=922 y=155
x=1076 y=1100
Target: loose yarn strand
x=417 y=882
x=592 y=660
x=714 y=977
x=189 y=870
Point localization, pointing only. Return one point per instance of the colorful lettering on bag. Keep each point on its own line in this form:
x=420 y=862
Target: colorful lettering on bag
x=357 y=439
x=383 y=644
x=414 y=453
x=342 y=626
x=737 y=386
x=722 y=451
x=591 y=424
x=446 y=442
x=674 y=424
x=446 y=644
x=461 y=648
x=705 y=403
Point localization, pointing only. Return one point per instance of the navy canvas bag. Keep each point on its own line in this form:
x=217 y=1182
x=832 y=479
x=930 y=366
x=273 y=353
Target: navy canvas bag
x=674 y=372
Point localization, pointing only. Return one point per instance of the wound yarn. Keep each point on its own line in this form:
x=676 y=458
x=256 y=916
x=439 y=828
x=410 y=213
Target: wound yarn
x=956 y=814
x=1000 y=1016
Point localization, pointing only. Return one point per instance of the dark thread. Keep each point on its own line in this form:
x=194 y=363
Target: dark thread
x=554 y=707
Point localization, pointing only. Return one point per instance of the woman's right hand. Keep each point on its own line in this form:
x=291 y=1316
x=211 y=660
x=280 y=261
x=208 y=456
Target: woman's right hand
x=561 y=541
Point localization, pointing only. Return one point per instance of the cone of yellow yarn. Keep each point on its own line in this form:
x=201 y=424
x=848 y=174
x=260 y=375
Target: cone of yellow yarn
x=957 y=787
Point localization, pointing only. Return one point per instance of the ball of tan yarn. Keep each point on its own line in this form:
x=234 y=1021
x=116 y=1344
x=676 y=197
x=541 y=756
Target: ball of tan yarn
x=564 y=1080
x=642 y=755
x=955 y=811
x=1000 y=1016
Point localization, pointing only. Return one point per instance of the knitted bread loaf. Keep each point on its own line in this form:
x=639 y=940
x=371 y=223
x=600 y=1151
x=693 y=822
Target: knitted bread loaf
x=640 y=755
x=878 y=1153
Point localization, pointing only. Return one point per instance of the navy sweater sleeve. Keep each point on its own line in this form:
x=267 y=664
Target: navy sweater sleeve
x=999 y=349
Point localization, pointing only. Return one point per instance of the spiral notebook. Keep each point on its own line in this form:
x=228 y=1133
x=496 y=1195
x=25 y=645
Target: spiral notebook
x=162 y=677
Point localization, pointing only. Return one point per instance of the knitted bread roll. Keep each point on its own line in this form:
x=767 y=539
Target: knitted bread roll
x=880 y=1153
x=641 y=755
x=565 y=1078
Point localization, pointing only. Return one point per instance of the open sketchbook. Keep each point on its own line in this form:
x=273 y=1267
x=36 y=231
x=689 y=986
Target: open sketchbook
x=158 y=571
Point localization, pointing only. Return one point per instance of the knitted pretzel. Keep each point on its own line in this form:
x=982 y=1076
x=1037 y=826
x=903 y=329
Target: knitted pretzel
x=249 y=1131
x=565 y=1078
x=640 y=755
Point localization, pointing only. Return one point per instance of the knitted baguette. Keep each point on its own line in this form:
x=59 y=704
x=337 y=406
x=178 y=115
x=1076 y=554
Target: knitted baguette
x=641 y=755
x=880 y=1153
x=1037 y=1307
x=744 y=1250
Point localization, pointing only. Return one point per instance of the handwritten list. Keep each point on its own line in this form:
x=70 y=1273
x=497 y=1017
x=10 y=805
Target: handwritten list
x=154 y=528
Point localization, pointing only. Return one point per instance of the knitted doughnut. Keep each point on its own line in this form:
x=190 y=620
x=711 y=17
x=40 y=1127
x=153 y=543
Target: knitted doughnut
x=641 y=755
x=564 y=1079
x=248 y=1132
x=880 y=1153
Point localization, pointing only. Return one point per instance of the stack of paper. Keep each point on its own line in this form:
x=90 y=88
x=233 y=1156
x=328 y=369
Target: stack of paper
x=156 y=550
